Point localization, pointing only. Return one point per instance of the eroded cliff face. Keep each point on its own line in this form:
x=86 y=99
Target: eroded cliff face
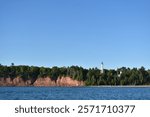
x=61 y=81
x=14 y=82
x=44 y=82
x=67 y=81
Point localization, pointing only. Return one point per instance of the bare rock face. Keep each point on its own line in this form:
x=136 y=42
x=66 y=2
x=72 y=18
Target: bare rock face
x=6 y=82
x=44 y=82
x=18 y=82
x=67 y=81
x=61 y=81
x=14 y=82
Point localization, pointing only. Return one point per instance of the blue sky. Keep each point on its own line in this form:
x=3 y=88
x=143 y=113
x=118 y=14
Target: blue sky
x=75 y=32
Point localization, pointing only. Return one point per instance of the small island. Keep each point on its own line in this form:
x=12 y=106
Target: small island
x=23 y=75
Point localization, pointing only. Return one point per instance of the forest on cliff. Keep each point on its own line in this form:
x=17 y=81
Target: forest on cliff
x=92 y=76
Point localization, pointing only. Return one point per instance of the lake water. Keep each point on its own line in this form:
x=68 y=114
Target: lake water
x=74 y=93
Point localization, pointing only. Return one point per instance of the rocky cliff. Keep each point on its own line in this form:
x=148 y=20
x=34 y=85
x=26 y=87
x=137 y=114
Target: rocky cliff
x=61 y=81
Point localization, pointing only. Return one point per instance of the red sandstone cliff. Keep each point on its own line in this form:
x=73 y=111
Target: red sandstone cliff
x=44 y=82
x=62 y=81
x=14 y=82
x=67 y=81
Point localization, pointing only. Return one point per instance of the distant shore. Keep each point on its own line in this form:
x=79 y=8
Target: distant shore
x=102 y=86
x=130 y=86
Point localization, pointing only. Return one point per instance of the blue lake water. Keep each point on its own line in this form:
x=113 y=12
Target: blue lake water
x=74 y=93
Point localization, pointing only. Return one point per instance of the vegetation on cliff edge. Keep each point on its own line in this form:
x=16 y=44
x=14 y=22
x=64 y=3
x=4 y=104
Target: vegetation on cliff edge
x=92 y=76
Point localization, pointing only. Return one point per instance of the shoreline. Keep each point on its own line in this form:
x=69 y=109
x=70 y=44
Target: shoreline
x=102 y=86
x=122 y=86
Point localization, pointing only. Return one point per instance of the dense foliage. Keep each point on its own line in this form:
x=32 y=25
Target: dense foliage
x=121 y=76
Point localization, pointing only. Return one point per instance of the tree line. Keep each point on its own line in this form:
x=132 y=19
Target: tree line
x=92 y=76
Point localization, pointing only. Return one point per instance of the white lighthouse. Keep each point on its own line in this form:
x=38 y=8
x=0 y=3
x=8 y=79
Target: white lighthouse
x=102 y=68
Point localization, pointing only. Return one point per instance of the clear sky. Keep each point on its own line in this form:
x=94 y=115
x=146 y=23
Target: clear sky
x=75 y=32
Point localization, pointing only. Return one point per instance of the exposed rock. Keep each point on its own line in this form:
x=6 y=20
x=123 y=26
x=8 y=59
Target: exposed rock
x=67 y=81
x=18 y=82
x=61 y=81
x=44 y=82
x=6 y=82
x=14 y=82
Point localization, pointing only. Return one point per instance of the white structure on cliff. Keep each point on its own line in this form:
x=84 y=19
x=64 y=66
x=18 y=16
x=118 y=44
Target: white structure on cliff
x=119 y=75
x=102 y=68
